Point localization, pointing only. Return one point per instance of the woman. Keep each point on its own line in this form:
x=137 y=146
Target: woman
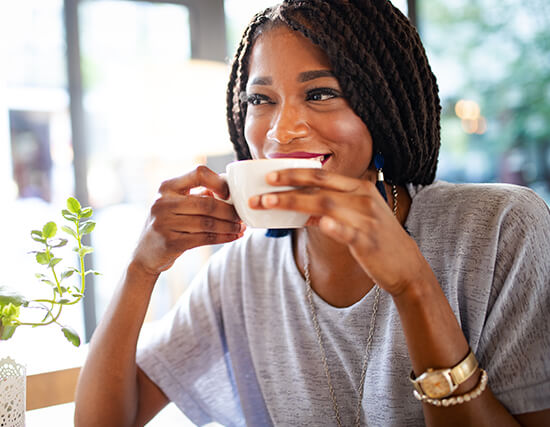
x=323 y=326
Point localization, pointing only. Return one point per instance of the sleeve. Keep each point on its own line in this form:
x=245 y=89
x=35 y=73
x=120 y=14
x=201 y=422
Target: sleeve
x=185 y=354
x=515 y=341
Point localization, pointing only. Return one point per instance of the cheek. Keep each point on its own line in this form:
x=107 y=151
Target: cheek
x=254 y=135
x=350 y=131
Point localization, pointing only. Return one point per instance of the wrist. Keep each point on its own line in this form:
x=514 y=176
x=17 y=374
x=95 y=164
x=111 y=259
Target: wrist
x=137 y=269
x=442 y=382
x=417 y=292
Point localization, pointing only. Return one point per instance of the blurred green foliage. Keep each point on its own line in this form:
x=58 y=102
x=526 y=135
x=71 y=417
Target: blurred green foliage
x=498 y=54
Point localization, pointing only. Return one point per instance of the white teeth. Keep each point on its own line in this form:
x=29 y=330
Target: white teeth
x=319 y=159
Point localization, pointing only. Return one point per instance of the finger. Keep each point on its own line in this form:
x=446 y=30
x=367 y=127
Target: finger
x=200 y=176
x=201 y=223
x=313 y=221
x=321 y=203
x=339 y=231
x=180 y=242
x=314 y=178
x=194 y=205
x=358 y=211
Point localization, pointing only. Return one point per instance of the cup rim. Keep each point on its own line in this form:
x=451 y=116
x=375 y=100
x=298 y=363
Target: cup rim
x=270 y=160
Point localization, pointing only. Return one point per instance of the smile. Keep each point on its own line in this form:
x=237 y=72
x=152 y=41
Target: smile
x=301 y=155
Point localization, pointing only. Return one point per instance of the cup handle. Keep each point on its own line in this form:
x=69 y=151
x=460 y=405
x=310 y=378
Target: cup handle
x=228 y=200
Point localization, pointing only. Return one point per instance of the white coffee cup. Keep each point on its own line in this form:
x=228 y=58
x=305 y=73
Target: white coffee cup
x=246 y=178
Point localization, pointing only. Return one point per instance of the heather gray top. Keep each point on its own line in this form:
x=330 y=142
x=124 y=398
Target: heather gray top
x=240 y=349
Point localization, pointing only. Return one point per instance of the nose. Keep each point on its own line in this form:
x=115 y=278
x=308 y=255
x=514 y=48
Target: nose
x=289 y=124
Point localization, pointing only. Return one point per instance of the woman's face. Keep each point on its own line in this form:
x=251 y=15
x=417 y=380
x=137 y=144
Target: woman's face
x=296 y=107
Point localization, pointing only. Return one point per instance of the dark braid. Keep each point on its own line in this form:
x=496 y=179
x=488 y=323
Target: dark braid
x=236 y=109
x=373 y=86
x=382 y=68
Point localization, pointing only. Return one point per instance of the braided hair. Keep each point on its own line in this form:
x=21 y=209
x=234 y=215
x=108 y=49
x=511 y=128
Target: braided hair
x=381 y=66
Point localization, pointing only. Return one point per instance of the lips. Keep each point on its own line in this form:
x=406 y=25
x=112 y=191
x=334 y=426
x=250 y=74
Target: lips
x=323 y=157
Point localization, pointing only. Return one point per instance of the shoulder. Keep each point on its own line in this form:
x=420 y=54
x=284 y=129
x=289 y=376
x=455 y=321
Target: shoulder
x=483 y=219
x=494 y=201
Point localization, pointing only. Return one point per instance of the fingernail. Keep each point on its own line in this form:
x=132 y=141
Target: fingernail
x=272 y=176
x=270 y=200
x=254 y=201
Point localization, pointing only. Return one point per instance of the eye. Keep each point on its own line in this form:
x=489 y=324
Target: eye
x=322 y=94
x=257 y=99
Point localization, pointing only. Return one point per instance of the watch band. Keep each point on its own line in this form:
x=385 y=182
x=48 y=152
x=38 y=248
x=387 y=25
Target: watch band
x=438 y=383
x=456 y=400
x=464 y=369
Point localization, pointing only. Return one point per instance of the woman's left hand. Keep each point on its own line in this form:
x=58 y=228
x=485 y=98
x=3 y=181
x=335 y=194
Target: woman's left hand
x=353 y=212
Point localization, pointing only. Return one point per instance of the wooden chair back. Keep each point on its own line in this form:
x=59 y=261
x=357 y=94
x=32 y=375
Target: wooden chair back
x=51 y=388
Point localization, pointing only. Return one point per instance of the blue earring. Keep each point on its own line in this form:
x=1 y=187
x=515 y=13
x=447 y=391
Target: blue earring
x=379 y=164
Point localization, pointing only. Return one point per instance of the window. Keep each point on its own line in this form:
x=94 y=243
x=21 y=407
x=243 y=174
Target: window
x=36 y=170
x=492 y=60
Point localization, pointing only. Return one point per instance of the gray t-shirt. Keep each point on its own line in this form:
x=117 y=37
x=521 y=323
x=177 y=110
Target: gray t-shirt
x=240 y=349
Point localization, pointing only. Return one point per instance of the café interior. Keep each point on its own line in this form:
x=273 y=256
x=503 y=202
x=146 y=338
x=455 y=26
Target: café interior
x=105 y=99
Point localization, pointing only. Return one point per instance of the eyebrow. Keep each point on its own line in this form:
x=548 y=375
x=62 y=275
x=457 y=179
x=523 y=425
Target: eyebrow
x=306 y=76
x=315 y=74
x=263 y=81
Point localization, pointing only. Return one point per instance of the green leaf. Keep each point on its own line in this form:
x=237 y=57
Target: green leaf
x=9 y=313
x=40 y=276
x=95 y=273
x=48 y=282
x=58 y=243
x=73 y=205
x=84 y=250
x=69 y=230
x=37 y=236
x=54 y=262
x=9 y=296
x=63 y=290
x=86 y=212
x=66 y=274
x=63 y=301
x=87 y=227
x=7 y=331
x=49 y=230
x=42 y=258
x=68 y=215
x=71 y=335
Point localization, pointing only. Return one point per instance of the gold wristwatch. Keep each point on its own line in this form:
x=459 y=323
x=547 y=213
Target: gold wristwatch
x=439 y=383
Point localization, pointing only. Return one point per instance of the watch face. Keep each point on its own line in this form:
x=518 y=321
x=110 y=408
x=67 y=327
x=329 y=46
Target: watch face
x=436 y=384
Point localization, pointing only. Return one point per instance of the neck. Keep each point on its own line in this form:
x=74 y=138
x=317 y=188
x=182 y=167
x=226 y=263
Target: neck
x=335 y=274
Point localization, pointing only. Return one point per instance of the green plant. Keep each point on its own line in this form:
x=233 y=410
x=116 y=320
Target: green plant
x=12 y=303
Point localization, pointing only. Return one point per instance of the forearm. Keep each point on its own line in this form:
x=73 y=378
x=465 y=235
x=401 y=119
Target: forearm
x=435 y=340
x=109 y=377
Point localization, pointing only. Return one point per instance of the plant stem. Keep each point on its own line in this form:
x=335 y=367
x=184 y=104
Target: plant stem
x=56 y=279
x=82 y=271
x=54 y=319
x=49 y=310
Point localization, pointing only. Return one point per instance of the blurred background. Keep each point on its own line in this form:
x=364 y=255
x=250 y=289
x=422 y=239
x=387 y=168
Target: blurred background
x=104 y=99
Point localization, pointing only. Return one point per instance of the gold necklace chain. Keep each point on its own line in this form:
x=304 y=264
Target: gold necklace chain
x=309 y=295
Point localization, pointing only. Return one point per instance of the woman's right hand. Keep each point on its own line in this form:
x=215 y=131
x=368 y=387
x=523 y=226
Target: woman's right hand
x=180 y=220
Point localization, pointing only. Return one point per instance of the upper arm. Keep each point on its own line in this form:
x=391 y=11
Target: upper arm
x=535 y=419
x=151 y=398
